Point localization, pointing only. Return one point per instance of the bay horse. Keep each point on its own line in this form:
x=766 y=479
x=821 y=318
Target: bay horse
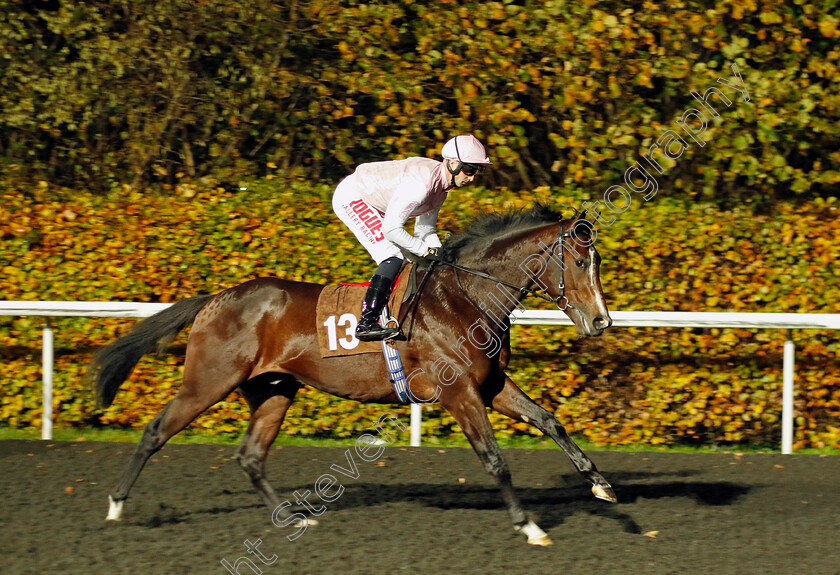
x=261 y=338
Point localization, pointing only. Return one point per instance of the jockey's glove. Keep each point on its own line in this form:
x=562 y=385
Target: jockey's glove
x=431 y=255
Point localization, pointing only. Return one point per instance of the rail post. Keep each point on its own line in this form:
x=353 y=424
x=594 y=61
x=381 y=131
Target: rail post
x=416 y=419
x=787 y=396
x=47 y=376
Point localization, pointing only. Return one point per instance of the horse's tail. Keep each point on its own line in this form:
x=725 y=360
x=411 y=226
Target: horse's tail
x=111 y=365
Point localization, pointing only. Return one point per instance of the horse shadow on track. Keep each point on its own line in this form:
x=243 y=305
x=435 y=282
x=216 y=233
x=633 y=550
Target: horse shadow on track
x=168 y=515
x=550 y=505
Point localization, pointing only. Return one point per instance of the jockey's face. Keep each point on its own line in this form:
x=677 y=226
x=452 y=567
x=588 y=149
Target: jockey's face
x=462 y=178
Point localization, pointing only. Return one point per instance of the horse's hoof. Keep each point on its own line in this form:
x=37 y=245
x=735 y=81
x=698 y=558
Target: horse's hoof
x=543 y=541
x=114 y=509
x=536 y=536
x=604 y=492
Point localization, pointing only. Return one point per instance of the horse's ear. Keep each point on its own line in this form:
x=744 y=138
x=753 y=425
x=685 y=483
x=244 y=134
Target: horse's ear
x=582 y=228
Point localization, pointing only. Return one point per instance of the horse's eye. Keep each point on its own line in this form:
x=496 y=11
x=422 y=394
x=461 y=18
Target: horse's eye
x=581 y=263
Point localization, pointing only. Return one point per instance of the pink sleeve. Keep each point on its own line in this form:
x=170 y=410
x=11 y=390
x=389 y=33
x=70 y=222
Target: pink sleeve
x=404 y=201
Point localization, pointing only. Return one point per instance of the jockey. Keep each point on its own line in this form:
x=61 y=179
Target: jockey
x=378 y=199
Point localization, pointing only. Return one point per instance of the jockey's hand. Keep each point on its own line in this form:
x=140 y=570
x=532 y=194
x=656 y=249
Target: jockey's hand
x=432 y=255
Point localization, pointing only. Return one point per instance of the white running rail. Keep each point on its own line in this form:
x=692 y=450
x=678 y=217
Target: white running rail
x=787 y=321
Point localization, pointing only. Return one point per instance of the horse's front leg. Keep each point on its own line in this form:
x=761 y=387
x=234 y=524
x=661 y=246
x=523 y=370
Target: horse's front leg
x=468 y=410
x=511 y=401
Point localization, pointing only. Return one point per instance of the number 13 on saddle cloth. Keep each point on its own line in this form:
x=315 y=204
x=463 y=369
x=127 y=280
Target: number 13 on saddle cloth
x=337 y=315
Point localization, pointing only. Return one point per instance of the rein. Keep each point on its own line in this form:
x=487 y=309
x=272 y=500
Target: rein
x=524 y=290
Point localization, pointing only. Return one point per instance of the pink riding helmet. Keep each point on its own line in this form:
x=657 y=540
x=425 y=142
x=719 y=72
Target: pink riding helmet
x=465 y=149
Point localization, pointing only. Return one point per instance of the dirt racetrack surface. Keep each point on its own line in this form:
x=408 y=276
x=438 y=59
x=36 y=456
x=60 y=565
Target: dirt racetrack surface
x=417 y=510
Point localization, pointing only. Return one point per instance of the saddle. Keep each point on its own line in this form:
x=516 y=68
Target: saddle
x=337 y=314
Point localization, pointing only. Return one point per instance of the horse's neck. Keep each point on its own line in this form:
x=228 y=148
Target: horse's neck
x=507 y=260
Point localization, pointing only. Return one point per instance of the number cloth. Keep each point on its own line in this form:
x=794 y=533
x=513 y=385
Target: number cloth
x=336 y=317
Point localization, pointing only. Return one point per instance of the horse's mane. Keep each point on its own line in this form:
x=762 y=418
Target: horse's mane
x=487 y=227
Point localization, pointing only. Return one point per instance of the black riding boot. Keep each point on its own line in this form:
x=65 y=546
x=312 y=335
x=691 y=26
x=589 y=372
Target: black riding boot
x=375 y=299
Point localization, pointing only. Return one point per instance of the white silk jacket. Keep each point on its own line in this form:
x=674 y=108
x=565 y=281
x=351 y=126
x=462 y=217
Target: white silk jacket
x=403 y=189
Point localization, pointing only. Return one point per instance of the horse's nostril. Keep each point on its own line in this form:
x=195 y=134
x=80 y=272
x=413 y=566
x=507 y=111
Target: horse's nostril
x=601 y=323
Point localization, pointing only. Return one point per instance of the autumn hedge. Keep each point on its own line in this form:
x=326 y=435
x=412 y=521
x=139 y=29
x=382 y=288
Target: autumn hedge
x=99 y=93
x=631 y=386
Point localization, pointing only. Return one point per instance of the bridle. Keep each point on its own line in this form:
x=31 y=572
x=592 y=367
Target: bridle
x=562 y=285
x=525 y=290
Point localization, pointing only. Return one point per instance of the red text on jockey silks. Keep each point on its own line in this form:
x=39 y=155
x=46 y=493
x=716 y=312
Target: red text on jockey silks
x=369 y=218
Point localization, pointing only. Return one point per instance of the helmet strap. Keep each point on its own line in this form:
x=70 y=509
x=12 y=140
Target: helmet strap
x=455 y=171
x=458 y=166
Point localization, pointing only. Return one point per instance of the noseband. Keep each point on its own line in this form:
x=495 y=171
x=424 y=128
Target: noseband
x=525 y=290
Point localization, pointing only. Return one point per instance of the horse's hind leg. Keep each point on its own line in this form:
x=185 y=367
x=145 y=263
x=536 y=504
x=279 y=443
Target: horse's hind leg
x=269 y=403
x=178 y=413
x=513 y=402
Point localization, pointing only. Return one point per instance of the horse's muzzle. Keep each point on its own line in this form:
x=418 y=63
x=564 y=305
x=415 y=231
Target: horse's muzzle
x=598 y=326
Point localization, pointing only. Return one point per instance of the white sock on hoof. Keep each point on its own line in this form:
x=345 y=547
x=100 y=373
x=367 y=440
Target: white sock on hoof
x=114 y=510
x=536 y=536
